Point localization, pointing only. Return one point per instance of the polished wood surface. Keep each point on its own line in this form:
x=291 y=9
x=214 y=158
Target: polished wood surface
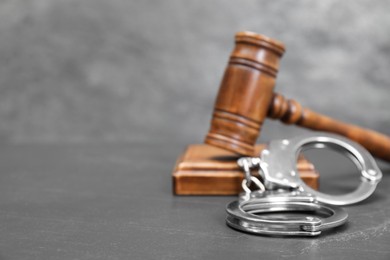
x=246 y=98
x=290 y=111
x=209 y=170
x=247 y=85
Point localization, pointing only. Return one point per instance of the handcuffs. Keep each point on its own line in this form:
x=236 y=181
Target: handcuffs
x=268 y=209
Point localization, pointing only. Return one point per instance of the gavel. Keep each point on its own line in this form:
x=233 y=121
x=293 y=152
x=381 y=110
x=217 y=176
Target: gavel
x=246 y=97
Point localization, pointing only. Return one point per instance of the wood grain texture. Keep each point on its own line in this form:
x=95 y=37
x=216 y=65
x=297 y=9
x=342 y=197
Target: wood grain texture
x=291 y=112
x=247 y=85
x=207 y=170
x=246 y=97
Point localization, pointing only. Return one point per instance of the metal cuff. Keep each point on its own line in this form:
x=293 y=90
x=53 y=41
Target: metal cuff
x=253 y=216
x=281 y=156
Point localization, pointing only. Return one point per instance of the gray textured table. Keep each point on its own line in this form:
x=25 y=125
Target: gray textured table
x=114 y=201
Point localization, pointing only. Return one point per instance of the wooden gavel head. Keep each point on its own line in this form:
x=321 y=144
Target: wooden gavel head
x=246 y=98
x=245 y=93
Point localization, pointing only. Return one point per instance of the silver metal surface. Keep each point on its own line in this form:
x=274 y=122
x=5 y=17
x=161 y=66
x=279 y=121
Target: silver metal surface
x=256 y=215
x=280 y=166
x=246 y=185
x=284 y=193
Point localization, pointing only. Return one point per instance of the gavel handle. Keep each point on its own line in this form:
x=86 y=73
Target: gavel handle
x=291 y=112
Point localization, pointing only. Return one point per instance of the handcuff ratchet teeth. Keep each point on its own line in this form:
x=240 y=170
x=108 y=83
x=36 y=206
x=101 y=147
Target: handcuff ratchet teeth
x=270 y=209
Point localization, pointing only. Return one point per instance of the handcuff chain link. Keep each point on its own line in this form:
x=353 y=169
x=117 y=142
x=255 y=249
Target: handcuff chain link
x=248 y=164
x=286 y=192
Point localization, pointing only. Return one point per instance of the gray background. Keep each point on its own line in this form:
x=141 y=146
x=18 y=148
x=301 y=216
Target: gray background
x=94 y=70
x=98 y=98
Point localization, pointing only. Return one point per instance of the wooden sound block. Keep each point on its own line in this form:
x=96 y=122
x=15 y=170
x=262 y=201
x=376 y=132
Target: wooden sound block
x=207 y=170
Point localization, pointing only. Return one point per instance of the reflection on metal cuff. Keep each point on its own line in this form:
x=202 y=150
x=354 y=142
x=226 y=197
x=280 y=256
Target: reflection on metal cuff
x=281 y=156
x=257 y=215
x=273 y=208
